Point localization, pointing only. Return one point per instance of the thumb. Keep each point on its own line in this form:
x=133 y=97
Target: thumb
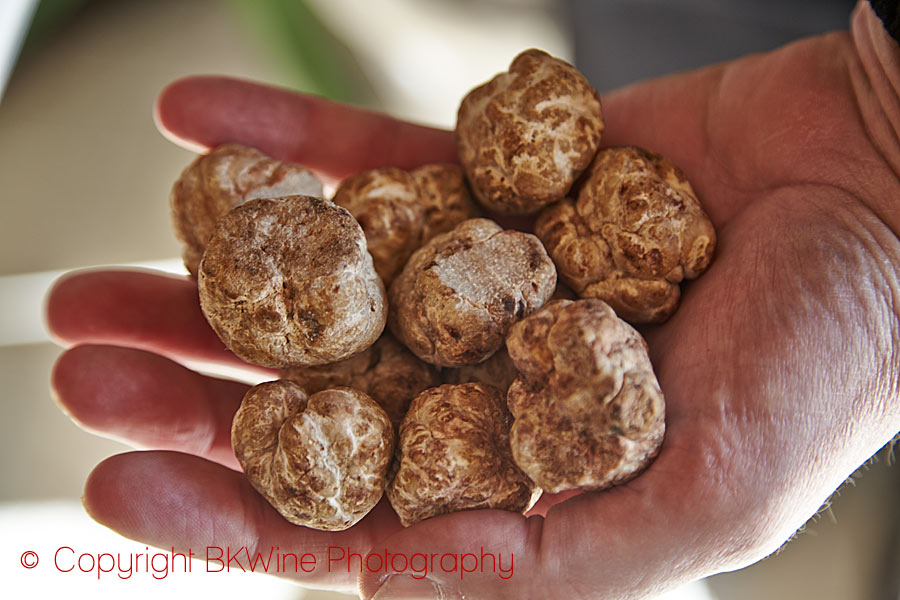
x=471 y=554
x=673 y=524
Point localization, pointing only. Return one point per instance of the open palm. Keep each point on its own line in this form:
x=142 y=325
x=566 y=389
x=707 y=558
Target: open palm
x=779 y=368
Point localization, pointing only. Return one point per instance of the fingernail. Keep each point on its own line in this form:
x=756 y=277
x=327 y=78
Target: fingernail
x=403 y=587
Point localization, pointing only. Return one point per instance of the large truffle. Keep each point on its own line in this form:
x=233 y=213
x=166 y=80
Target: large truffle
x=635 y=231
x=526 y=135
x=401 y=210
x=288 y=282
x=386 y=371
x=458 y=295
x=321 y=460
x=588 y=410
x=217 y=182
x=455 y=455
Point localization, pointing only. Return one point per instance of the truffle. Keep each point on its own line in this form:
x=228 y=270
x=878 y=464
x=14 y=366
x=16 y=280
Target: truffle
x=454 y=455
x=217 y=182
x=400 y=210
x=526 y=135
x=386 y=371
x=588 y=411
x=321 y=460
x=288 y=282
x=458 y=295
x=635 y=231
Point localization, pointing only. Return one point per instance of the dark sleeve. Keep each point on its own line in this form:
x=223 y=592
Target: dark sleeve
x=889 y=13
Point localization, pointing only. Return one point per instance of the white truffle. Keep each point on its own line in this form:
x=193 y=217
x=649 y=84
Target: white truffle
x=588 y=411
x=228 y=176
x=288 y=282
x=401 y=210
x=458 y=295
x=321 y=460
x=454 y=455
x=634 y=232
x=526 y=135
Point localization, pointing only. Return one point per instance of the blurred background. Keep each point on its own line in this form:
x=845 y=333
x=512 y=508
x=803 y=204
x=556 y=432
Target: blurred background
x=86 y=179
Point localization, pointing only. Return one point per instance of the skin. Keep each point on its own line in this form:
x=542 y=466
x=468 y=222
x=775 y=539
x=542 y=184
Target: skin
x=780 y=368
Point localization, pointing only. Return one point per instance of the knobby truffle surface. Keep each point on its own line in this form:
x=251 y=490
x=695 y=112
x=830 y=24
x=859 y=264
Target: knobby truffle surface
x=386 y=371
x=526 y=135
x=458 y=295
x=454 y=455
x=289 y=282
x=401 y=210
x=321 y=460
x=215 y=183
x=634 y=232
x=588 y=411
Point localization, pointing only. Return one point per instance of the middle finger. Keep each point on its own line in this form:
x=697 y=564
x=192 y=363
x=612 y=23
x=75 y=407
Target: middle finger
x=148 y=401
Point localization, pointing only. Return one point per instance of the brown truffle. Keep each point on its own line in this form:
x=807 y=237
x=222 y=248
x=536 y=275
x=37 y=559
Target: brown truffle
x=635 y=231
x=399 y=210
x=217 y=182
x=458 y=295
x=454 y=455
x=526 y=135
x=288 y=281
x=320 y=461
x=588 y=410
x=386 y=371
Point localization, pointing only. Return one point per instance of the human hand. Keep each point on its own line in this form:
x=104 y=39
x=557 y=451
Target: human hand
x=779 y=368
x=131 y=331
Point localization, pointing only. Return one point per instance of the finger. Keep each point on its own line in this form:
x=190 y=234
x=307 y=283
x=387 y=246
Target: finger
x=334 y=139
x=147 y=401
x=472 y=554
x=173 y=500
x=138 y=309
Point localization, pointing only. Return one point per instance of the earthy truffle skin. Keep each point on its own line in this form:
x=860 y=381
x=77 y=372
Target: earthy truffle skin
x=386 y=371
x=228 y=176
x=321 y=460
x=454 y=455
x=458 y=295
x=588 y=410
x=497 y=371
x=288 y=282
x=526 y=135
x=400 y=210
x=635 y=231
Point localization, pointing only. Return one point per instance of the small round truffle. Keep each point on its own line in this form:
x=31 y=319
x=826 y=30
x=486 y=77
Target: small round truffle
x=226 y=177
x=635 y=231
x=588 y=411
x=321 y=460
x=458 y=295
x=526 y=135
x=386 y=371
x=454 y=455
x=288 y=282
x=400 y=210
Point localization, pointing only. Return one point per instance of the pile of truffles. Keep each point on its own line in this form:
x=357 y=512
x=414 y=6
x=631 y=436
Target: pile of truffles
x=425 y=352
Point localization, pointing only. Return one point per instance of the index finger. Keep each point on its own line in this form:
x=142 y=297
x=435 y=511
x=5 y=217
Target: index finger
x=336 y=140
